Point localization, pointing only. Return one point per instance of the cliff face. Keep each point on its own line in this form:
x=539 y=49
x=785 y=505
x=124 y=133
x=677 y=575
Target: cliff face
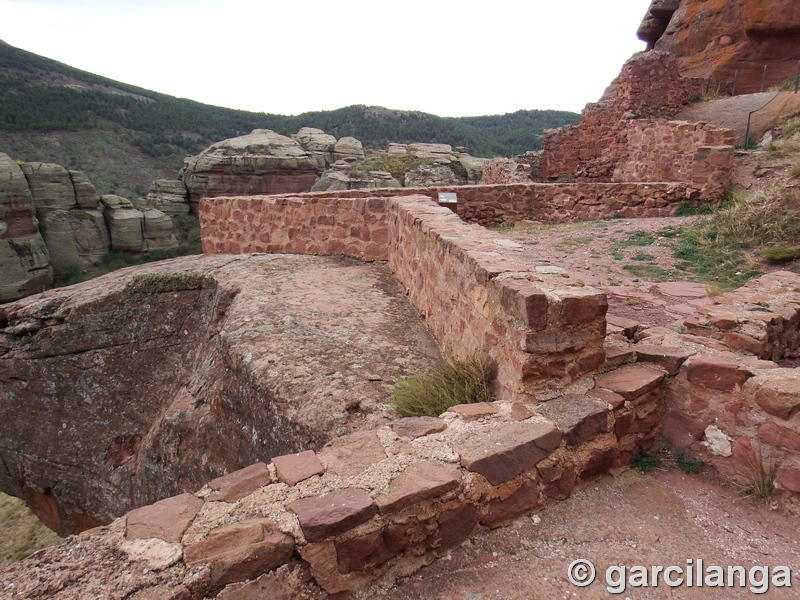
x=712 y=39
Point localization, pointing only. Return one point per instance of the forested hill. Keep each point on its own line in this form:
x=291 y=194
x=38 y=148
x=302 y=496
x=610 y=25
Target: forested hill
x=39 y=95
x=123 y=137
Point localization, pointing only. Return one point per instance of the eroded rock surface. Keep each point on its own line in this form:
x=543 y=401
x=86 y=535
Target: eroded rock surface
x=149 y=381
x=261 y=162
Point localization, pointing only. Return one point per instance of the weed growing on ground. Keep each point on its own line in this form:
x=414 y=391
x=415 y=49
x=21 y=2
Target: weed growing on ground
x=665 y=455
x=451 y=383
x=778 y=255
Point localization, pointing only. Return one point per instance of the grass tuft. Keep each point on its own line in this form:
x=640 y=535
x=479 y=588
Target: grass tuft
x=451 y=383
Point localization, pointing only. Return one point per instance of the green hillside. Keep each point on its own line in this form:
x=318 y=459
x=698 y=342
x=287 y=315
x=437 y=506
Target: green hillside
x=44 y=102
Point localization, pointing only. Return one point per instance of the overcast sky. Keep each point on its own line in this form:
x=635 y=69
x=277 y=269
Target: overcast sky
x=438 y=56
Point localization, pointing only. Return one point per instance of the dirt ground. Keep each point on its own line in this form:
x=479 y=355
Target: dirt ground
x=663 y=518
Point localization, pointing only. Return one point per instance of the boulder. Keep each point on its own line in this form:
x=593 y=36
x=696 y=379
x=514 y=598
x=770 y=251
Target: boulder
x=261 y=162
x=434 y=175
x=50 y=185
x=158 y=232
x=348 y=147
x=170 y=196
x=125 y=224
x=24 y=259
x=85 y=193
x=342 y=176
x=318 y=143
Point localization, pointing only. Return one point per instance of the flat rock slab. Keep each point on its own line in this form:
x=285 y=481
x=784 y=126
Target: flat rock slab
x=473 y=412
x=166 y=520
x=682 y=289
x=631 y=381
x=237 y=485
x=503 y=451
x=334 y=513
x=352 y=454
x=241 y=551
x=294 y=468
x=415 y=427
x=776 y=391
x=580 y=418
x=716 y=373
x=667 y=357
x=419 y=482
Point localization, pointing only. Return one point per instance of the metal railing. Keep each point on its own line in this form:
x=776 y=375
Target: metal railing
x=764 y=79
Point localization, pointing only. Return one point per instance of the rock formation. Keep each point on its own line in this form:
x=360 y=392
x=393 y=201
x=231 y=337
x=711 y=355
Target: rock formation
x=712 y=39
x=24 y=259
x=160 y=377
x=261 y=162
x=325 y=148
x=167 y=195
x=345 y=175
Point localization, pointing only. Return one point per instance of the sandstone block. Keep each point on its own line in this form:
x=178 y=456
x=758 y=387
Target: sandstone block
x=580 y=418
x=455 y=526
x=681 y=430
x=50 y=185
x=241 y=551
x=294 y=468
x=503 y=451
x=607 y=396
x=668 y=358
x=522 y=500
x=523 y=300
x=775 y=435
x=370 y=549
x=166 y=519
x=716 y=373
x=583 y=307
x=85 y=193
x=414 y=427
x=334 y=513
x=631 y=381
x=777 y=391
x=351 y=454
x=421 y=481
x=237 y=485
x=789 y=479
x=125 y=224
x=475 y=411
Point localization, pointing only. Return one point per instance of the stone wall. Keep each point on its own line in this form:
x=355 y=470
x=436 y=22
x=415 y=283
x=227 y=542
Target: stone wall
x=490 y=205
x=627 y=136
x=539 y=328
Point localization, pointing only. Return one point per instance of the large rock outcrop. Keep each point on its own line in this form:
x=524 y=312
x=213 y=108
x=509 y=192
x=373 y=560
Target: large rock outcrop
x=150 y=381
x=261 y=162
x=170 y=196
x=714 y=38
x=24 y=259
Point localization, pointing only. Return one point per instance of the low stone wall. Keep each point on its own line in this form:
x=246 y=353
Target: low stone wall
x=491 y=205
x=539 y=328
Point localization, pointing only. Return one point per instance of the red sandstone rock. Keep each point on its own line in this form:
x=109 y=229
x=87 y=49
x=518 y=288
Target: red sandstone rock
x=370 y=549
x=455 y=526
x=351 y=454
x=241 y=551
x=322 y=559
x=472 y=412
x=236 y=485
x=599 y=461
x=665 y=357
x=716 y=373
x=607 y=396
x=681 y=430
x=503 y=451
x=713 y=38
x=580 y=418
x=618 y=355
x=682 y=289
x=628 y=326
x=421 y=481
x=415 y=427
x=789 y=479
x=523 y=300
x=777 y=391
x=631 y=381
x=294 y=468
x=334 y=513
x=167 y=519
x=522 y=500
x=775 y=435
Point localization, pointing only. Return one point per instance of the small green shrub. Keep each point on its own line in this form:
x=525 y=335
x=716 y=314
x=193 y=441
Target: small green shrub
x=451 y=383
x=778 y=255
x=684 y=209
x=68 y=275
x=761 y=475
x=642 y=256
x=686 y=461
x=645 y=461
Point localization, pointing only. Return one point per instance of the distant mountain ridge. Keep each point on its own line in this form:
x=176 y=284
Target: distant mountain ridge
x=41 y=96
